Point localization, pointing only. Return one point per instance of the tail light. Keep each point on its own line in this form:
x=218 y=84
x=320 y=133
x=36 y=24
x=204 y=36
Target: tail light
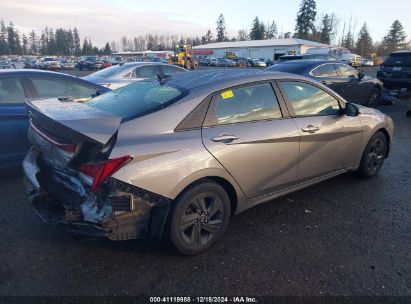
x=101 y=171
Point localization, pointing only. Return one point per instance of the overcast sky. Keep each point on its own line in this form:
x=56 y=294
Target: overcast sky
x=106 y=20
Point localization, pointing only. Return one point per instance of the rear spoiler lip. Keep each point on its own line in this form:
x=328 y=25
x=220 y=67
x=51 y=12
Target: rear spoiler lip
x=97 y=129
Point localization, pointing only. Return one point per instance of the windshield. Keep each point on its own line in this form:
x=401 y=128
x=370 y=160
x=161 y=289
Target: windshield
x=111 y=71
x=137 y=99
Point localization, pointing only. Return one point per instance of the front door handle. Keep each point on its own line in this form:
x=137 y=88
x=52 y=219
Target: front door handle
x=224 y=138
x=325 y=82
x=310 y=129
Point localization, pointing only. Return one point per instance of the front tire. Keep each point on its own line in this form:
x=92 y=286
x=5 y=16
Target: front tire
x=373 y=156
x=199 y=218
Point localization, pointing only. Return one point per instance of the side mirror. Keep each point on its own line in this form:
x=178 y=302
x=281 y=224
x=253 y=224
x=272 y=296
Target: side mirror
x=361 y=75
x=351 y=109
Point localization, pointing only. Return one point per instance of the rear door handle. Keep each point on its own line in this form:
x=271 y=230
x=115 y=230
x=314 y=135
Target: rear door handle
x=325 y=82
x=310 y=129
x=224 y=138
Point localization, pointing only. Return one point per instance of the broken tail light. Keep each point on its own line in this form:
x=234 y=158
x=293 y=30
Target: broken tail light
x=68 y=148
x=101 y=171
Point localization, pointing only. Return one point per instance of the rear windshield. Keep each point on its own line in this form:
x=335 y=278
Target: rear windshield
x=282 y=59
x=137 y=99
x=398 y=60
x=287 y=68
x=111 y=71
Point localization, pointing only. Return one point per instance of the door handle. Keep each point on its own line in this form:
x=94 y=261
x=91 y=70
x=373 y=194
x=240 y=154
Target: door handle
x=325 y=82
x=225 y=138
x=310 y=129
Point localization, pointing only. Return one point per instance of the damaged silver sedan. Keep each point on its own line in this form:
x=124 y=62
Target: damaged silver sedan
x=177 y=156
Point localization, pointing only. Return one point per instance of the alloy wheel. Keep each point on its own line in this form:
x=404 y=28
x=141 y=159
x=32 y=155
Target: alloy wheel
x=202 y=220
x=375 y=156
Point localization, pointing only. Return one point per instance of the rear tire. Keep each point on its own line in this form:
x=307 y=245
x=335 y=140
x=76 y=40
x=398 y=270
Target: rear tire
x=375 y=97
x=373 y=156
x=199 y=218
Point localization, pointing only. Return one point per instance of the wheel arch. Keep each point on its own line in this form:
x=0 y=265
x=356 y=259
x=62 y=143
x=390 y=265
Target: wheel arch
x=223 y=182
x=387 y=137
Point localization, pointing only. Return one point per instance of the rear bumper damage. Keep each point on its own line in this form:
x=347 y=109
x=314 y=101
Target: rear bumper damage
x=118 y=211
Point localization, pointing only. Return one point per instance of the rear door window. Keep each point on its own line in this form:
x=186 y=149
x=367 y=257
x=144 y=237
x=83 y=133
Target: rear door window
x=11 y=90
x=55 y=87
x=326 y=70
x=346 y=71
x=147 y=71
x=243 y=104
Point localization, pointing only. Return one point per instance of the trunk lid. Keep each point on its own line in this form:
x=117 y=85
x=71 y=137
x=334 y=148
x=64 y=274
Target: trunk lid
x=66 y=130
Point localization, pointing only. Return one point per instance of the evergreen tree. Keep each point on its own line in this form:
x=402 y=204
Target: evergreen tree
x=25 y=44
x=396 y=37
x=76 y=42
x=107 y=50
x=43 y=43
x=85 y=48
x=348 y=41
x=51 y=43
x=3 y=38
x=32 y=43
x=364 y=42
x=305 y=19
x=326 y=31
x=221 y=28
x=19 y=49
x=272 y=31
x=70 y=42
x=257 y=31
x=11 y=40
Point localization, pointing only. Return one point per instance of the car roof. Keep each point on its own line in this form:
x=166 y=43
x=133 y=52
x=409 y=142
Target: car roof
x=401 y=52
x=309 y=62
x=142 y=63
x=30 y=72
x=223 y=78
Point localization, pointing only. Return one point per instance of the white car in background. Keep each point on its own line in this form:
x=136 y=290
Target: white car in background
x=49 y=63
x=342 y=54
x=125 y=73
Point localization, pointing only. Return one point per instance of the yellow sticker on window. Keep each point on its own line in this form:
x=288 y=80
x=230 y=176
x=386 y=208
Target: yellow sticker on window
x=227 y=94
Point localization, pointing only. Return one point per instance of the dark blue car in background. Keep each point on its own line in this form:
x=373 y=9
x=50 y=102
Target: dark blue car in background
x=345 y=80
x=17 y=86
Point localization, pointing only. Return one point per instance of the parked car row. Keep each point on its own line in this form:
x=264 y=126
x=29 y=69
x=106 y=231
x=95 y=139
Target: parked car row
x=234 y=62
x=55 y=63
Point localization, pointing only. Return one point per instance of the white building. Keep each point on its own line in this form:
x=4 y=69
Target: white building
x=268 y=49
